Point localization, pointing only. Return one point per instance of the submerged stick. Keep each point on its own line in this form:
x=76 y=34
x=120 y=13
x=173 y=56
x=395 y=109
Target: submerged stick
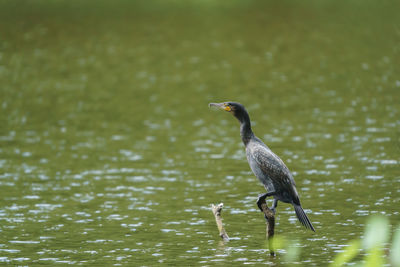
x=270 y=218
x=218 y=219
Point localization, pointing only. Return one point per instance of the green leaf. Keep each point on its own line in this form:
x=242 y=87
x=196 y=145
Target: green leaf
x=279 y=242
x=376 y=232
x=292 y=252
x=375 y=257
x=395 y=250
x=348 y=254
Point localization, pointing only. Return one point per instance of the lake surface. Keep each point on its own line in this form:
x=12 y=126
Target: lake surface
x=109 y=154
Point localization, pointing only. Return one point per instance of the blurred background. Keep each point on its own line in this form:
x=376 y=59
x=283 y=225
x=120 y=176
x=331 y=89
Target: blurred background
x=110 y=155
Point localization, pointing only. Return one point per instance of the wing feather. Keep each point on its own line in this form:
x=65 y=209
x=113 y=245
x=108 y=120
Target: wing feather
x=276 y=170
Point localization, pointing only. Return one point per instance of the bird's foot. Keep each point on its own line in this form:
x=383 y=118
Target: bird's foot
x=260 y=200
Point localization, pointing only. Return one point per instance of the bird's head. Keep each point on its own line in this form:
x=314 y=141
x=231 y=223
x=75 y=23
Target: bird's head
x=236 y=109
x=241 y=114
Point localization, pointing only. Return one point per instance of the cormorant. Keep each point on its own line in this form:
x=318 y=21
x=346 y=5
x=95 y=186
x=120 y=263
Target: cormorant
x=268 y=167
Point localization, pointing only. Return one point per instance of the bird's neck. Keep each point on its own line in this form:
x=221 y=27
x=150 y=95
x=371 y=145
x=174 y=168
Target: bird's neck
x=245 y=128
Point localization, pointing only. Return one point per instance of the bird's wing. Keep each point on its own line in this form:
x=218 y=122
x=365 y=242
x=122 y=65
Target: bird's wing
x=270 y=163
x=276 y=169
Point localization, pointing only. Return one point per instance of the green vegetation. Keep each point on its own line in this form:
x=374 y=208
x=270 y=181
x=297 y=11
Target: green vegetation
x=373 y=246
x=371 y=250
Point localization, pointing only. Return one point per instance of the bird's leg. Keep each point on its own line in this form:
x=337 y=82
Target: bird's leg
x=262 y=197
x=274 y=205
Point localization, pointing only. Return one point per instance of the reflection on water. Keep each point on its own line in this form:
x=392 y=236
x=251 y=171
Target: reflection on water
x=109 y=154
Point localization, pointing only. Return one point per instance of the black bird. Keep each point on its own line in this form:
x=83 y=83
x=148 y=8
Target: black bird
x=268 y=167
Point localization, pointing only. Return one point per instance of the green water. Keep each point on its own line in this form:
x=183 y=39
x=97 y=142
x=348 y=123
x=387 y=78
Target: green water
x=109 y=154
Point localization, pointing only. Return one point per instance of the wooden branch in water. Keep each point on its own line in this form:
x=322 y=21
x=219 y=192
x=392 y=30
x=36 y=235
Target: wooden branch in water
x=270 y=221
x=218 y=219
x=270 y=218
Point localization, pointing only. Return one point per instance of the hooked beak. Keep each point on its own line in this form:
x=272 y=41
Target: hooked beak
x=222 y=106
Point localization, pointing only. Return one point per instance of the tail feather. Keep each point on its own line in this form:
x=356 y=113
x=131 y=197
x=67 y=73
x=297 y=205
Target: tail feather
x=301 y=215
